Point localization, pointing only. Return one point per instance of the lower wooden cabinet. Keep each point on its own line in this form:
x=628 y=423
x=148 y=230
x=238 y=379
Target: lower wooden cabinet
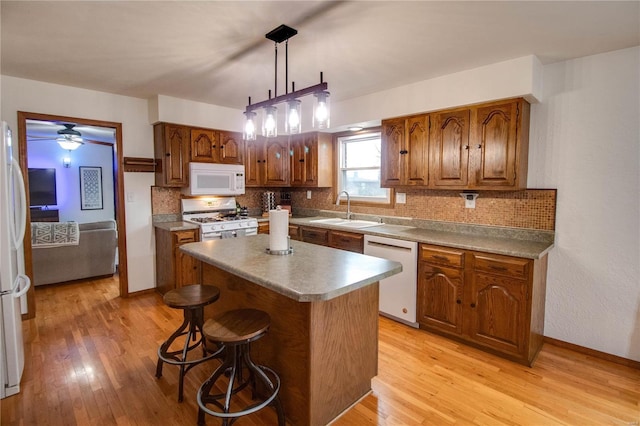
x=312 y=235
x=263 y=227
x=491 y=301
x=175 y=268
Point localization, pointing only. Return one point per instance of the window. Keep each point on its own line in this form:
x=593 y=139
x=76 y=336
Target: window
x=359 y=168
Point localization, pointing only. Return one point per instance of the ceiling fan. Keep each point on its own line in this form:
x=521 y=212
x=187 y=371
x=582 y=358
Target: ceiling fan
x=68 y=138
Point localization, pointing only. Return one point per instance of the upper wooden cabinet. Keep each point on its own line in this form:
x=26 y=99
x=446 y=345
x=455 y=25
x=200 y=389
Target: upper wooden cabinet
x=214 y=146
x=405 y=144
x=267 y=162
x=481 y=147
x=171 y=146
x=311 y=156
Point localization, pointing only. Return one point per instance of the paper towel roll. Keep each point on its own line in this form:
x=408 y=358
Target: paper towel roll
x=278 y=229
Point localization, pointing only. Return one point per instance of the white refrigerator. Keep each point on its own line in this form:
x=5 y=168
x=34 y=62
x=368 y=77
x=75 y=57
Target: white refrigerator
x=13 y=281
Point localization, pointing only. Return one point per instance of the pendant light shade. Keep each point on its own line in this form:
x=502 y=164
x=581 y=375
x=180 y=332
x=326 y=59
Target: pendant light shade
x=69 y=143
x=293 y=123
x=321 y=110
x=270 y=122
x=250 y=126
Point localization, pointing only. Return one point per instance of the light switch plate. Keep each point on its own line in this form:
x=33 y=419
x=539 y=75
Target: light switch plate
x=308 y=195
x=401 y=197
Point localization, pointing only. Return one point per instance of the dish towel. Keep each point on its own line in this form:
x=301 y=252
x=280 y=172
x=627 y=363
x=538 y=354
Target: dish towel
x=54 y=234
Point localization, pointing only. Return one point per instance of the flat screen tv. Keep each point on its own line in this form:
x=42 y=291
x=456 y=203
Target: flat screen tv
x=42 y=187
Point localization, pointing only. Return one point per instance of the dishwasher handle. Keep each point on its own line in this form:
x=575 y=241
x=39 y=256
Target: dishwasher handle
x=388 y=246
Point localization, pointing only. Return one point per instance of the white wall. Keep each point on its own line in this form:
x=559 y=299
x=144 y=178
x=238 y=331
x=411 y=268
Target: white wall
x=48 y=154
x=585 y=141
x=137 y=138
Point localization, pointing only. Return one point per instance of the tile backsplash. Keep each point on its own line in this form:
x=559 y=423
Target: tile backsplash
x=530 y=208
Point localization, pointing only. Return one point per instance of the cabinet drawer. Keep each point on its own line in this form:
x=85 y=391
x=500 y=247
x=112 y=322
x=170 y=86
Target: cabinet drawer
x=501 y=265
x=294 y=232
x=183 y=237
x=315 y=236
x=442 y=256
x=347 y=241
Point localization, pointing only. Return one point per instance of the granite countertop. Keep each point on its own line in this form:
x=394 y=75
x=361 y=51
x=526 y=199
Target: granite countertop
x=310 y=273
x=527 y=244
x=175 y=226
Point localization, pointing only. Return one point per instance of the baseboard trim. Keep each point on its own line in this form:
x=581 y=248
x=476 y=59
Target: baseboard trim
x=142 y=292
x=592 y=352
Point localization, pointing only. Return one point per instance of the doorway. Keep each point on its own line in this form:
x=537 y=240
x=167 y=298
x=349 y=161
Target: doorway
x=118 y=188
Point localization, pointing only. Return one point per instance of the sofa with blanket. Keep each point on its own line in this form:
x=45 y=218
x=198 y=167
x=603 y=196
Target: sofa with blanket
x=90 y=253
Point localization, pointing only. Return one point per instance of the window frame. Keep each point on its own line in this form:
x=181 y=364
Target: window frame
x=357 y=201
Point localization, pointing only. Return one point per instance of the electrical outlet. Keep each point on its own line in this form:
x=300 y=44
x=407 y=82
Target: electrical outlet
x=308 y=195
x=401 y=198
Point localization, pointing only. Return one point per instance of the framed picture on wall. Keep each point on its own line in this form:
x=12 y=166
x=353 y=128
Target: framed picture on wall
x=91 y=188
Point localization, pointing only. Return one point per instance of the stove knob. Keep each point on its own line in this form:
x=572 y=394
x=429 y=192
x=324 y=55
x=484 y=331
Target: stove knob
x=221 y=226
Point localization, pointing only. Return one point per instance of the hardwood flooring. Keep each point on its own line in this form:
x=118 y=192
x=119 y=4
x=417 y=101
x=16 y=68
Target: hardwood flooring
x=91 y=359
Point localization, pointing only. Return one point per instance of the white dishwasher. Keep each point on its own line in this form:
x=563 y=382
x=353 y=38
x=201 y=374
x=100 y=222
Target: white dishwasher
x=398 y=292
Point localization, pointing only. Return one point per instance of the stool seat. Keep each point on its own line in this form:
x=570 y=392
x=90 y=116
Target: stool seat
x=191 y=296
x=237 y=326
x=191 y=299
x=235 y=330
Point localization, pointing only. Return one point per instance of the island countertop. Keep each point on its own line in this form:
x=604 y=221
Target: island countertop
x=310 y=273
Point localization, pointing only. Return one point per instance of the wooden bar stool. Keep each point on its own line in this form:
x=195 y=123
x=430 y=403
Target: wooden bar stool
x=191 y=299
x=235 y=330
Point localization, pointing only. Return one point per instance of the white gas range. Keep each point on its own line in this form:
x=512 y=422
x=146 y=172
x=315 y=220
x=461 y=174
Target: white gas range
x=217 y=218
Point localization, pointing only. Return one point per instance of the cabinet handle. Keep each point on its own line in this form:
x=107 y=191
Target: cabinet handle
x=221 y=146
x=458 y=301
x=473 y=305
x=213 y=146
x=466 y=147
x=301 y=160
x=168 y=154
x=479 y=146
x=443 y=258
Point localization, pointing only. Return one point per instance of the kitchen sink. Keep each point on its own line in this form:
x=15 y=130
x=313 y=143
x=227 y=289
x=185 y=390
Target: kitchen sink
x=353 y=224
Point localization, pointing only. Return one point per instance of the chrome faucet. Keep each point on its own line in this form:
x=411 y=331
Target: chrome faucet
x=348 y=203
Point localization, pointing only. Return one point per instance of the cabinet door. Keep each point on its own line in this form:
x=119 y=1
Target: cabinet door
x=231 y=148
x=277 y=162
x=304 y=160
x=296 y=155
x=176 y=155
x=498 y=307
x=186 y=268
x=416 y=162
x=393 y=133
x=493 y=151
x=450 y=148
x=440 y=292
x=253 y=165
x=204 y=146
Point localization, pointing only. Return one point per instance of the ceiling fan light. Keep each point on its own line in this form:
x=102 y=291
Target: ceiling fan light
x=68 y=143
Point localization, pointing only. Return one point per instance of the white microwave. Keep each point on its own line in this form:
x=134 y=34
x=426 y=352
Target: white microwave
x=215 y=179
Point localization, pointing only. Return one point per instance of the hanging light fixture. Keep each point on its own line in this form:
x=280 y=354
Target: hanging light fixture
x=293 y=119
x=69 y=138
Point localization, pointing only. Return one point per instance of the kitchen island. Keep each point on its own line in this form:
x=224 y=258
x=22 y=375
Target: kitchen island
x=323 y=303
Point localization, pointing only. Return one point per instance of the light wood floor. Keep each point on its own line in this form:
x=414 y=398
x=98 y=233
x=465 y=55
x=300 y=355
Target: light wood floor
x=91 y=360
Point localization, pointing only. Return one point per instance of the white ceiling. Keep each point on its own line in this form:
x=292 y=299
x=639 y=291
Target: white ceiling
x=216 y=52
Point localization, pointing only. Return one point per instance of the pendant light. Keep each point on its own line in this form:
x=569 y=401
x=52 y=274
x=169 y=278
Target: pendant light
x=293 y=119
